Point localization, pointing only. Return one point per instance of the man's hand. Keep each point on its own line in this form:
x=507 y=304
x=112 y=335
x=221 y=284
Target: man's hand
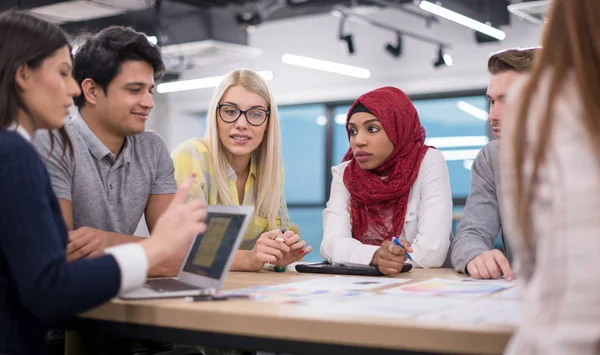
x=390 y=258
x=491 y=264
x=86 y=242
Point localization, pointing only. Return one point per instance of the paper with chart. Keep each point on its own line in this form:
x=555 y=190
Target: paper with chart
x=480 y=311
x=500 y=281
x=347 y=283
x=392 y=306
x=444 y=287
x=337 y=288
x=513 y=293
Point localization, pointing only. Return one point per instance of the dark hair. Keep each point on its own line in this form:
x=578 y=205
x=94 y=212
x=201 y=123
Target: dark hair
x=101 y=56
x=517 y=59
x=25 y=40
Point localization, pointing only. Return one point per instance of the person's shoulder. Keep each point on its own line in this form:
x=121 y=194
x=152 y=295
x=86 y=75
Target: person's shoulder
x=13 y=146
x=433 y=159
x=434 y=156
x=11 y=140
x=488 y=154
x=148 y=138
x=42 y=139
x=340 y=167
x=194 y=145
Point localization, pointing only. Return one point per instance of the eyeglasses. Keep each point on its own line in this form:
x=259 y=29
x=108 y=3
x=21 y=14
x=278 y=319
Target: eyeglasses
x=230 y=114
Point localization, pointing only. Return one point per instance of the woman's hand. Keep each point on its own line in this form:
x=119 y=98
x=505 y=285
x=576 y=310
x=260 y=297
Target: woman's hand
x=389 y=258
x=266 y=250
x=297 y=249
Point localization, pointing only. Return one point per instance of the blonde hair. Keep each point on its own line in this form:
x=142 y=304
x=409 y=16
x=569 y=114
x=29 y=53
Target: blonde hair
x=269 y=179
x=571 y=45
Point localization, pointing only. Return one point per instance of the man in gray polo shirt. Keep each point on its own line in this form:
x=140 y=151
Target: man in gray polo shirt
x=472 y=250
x=117 y=170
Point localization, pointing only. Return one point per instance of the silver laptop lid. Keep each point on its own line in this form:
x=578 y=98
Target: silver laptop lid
x=212 y=252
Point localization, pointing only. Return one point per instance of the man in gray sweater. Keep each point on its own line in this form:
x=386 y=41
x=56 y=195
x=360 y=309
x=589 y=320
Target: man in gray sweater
x=473 y=250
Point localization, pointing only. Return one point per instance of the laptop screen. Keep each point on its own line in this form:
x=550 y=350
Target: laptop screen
x=212 y=249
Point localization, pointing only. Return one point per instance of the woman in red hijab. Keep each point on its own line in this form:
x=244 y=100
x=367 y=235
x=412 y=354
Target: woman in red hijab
x=390 y=185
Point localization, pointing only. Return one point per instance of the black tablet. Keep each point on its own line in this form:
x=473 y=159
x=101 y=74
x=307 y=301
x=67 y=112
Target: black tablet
x=327 y=268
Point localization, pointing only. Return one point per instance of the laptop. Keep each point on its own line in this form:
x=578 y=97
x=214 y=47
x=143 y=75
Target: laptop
x=208 y=259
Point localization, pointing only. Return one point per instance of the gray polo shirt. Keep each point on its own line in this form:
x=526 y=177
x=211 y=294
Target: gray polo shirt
x=107 y=192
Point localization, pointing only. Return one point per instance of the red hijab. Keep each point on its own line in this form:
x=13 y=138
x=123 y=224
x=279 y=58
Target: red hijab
x=375 y=200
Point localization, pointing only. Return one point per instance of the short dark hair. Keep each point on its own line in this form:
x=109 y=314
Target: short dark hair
x=102 y=55
x=517 y=59
x=25 y=40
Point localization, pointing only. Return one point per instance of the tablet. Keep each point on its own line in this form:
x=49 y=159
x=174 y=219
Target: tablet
x=327 y=268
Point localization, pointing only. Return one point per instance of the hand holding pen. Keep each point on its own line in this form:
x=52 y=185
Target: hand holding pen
x=390 y=257
x=397 y=242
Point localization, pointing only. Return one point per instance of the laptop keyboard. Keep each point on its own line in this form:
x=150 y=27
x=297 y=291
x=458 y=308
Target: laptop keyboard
x=169 y=285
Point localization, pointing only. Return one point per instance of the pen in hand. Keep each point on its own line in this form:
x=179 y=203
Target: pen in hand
x=397 y=242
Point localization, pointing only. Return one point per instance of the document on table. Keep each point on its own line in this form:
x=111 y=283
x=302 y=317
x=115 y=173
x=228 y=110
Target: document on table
x=513 y=293
x=444 y=287
x=438 y=309
x=392 y=306
x=480 y=311
x=500 y=281
x=317 y=290
x=347 y=283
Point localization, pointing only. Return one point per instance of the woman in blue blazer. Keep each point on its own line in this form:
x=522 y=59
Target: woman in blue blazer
x=37 y=284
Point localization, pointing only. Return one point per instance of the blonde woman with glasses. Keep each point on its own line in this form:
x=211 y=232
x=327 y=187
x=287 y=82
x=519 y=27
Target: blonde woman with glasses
x=239 y=163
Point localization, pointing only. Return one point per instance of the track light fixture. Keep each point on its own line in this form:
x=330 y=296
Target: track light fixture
x=443 y=58
x=396 y=50
x=348 y=38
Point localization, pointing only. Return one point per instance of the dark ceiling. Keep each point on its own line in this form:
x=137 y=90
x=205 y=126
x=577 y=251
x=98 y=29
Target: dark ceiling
x=183 y=21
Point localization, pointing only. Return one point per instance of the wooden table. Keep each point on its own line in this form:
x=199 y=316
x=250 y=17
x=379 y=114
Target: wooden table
x=287 y=328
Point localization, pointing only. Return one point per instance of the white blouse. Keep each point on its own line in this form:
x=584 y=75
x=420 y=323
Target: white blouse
x=427 y=224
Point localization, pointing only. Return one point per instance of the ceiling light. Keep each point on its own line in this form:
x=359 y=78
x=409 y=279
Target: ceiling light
x=340 y=119
x=462 y=20
x=472 y=110
x=345 y=37
x=468 y=163
x=443 y=59
x=349 y=42
x=325 y=65
x=396 y=50
x=463 y=154
x=457 y=141
x=152 y=39
x=202 y=83
x=321 y=120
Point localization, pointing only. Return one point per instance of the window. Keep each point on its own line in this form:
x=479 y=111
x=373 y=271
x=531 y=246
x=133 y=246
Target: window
x=303 y=150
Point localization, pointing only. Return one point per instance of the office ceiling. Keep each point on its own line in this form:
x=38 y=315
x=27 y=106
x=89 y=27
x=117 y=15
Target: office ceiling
x=483 y=10
x=200 y=28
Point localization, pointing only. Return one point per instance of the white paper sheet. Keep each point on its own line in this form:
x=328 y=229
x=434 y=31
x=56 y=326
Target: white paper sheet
x=500 y=281
x=445 y=287
x=480 y=311
x=392 y=306
x=346 y=283
x=513 y=293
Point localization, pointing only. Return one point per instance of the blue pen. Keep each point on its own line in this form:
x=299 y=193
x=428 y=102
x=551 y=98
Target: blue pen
x=397 y=242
